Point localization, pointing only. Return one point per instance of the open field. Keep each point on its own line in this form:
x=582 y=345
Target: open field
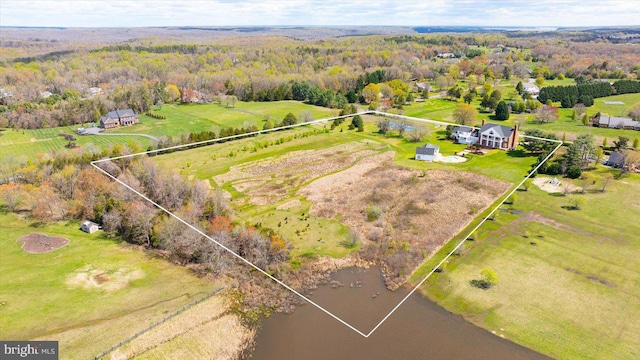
x=206 y=331
x=212 y=117
x=88 y=295
x=569 y=281
x=274 y=186
x=33 y=144
x=180 y=119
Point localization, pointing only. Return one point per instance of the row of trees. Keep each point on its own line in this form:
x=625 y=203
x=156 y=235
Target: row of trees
x=584 y=93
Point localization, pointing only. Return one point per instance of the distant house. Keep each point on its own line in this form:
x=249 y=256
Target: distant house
x=4 y=93
x=118 y=118
x=45 y=94
x=422 y=86
x=194 y=96
x=93 y=91
x=465 y=135
x=531 y=89
x=498 y=136
x=447 y=55
x=427 y=152
x=89 y=226
x=604 y=120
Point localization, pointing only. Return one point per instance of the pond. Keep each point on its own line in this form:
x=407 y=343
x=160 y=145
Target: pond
x=419 y=329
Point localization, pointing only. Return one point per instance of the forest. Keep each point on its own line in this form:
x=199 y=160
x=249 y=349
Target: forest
x=40 y=90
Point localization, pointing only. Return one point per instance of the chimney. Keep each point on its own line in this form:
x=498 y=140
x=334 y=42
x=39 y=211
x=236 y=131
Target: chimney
x=483 y=121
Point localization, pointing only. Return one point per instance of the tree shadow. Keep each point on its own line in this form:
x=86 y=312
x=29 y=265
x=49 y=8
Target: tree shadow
x=570 y=207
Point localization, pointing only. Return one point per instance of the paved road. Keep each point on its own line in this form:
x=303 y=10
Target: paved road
x=99 y=131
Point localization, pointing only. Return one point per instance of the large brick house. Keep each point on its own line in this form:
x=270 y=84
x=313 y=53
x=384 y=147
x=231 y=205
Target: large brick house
x=498 y=136
x=118 y=118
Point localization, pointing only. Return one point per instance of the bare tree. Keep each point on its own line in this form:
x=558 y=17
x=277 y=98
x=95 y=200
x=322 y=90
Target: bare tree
x=606 y=179
x=417 y=133
x=11 y=196
x=402 y=125
x=306 y=116
x=384 y=125
x=546 y=113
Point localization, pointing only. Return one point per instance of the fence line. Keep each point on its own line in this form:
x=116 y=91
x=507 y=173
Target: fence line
x=157 y=323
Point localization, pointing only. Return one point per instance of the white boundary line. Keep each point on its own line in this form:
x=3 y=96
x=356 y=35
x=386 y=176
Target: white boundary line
x=94 y=164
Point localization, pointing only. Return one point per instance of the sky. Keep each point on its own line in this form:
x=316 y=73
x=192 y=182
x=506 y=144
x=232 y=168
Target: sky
x=519 y=13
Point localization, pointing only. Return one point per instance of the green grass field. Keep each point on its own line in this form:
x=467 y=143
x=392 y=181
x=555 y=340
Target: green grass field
x=213 y=117
x=180 y=119
x=38 y=302
x=442 y=110
x=33 y=144
x=569 y=279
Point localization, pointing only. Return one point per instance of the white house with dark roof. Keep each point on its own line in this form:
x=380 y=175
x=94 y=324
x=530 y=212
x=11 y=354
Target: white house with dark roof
x=498 y=136
x=465 y=135
x=118 y=118
x=427 y=152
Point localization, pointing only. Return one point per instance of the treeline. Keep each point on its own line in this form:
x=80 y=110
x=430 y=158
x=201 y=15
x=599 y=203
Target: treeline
x=585 y=92
x=573 y=94
x=156 y=49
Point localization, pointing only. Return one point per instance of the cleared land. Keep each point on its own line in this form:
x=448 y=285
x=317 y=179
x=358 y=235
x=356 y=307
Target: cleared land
x=33 y=144
x=36 y=243
x=313 y=189
x=91 y=293
x=180 y=119
x=213 y=117
x=568 y=280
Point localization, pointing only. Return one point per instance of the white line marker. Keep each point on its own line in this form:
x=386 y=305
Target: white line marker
x=93 y=163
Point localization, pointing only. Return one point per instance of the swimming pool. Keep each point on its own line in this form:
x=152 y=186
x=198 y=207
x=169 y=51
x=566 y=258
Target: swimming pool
x=453 y=159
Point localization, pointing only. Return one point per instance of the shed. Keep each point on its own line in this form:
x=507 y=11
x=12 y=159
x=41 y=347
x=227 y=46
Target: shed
x=89 y=226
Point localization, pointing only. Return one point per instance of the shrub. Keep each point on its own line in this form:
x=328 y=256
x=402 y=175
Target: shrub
x=574 y=172
x=373 y=212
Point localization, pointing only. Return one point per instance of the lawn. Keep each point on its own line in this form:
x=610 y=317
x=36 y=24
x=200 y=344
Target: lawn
x=569 y=280
x=39 y=300
x=442 y=110
x=33 y=144
x=191 y=118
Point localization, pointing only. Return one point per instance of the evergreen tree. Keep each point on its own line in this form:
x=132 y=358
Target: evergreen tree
x=357 y=122
x=502 y=111
x=289 y=119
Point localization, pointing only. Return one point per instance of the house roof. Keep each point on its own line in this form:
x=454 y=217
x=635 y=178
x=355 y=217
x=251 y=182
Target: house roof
x=617 y=121
x=424 y=86
x=89 y=223
x=462 y=129
x=501 y=130
x=427 y=149
x=616 y=158
x=117 y=114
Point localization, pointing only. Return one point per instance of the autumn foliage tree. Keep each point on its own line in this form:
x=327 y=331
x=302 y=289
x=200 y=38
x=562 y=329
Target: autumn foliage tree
x=465 y=114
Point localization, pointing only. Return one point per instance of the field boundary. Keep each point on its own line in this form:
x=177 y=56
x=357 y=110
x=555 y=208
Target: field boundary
x=373 y=112
x=157 y=323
